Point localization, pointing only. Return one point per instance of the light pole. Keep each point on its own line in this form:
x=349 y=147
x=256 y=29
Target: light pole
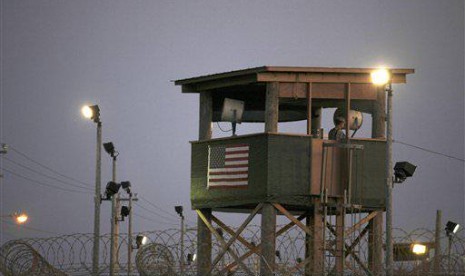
x=110 y=149
x=179 y=210
x=383 y=77
x=93 y=113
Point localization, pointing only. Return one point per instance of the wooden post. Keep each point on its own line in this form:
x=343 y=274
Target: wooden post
x=375 y=239
x=204 y=238
x=272 y=107
x=340 y=239
x=204 y=245
x=347 y=109
x=309 y=109
x=375 y=244
x=437 y=243
x=268 y=240
x=205 y=116
x=378 y=125
x=314 y=245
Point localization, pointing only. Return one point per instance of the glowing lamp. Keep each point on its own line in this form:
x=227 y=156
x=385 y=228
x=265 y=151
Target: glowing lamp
x=380 y=76
x=418 y=249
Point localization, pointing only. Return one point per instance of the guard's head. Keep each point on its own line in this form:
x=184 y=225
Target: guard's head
x=339 y=121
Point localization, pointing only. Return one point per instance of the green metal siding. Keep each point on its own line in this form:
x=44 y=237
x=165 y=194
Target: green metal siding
x=280 y=171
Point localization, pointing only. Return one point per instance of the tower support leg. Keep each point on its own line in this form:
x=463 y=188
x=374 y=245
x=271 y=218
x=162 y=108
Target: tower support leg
x=375 y=244
x=314 y=243
x=340 y=239
x=204 y=244
x=268 y=238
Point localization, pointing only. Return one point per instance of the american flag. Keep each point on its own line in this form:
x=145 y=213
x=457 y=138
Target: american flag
x=228 y=166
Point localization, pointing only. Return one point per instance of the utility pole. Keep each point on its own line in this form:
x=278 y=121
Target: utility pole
x=130 y=234
x=97 y=200
x=179 y=210
x=114 y=224
x=389 y=246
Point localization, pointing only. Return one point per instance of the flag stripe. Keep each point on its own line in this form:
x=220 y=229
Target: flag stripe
x=228 y=176
x=229 y=180
x=228 y=159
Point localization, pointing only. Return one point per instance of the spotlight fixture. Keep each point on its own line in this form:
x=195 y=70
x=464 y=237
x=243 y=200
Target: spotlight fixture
x=191 y=258
x=126 y=185
x=140 y=240
x=111 y=189
x=109 y=148
x=278 y=254
x=124 y=212
x=179 y=210
x=404 y=252
x=91 y=112
x=452 y=228
x=402 y=170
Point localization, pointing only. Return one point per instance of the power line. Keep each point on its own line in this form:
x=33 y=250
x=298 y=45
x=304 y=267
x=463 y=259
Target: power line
x=151 y=220
x=43 y=184
x=154 y=213
x=428 y=150
x=157 y=207
x=45 y=175
x=45 y=166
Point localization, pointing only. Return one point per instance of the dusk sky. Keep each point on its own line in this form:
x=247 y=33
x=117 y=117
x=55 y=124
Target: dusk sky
x=123 y=55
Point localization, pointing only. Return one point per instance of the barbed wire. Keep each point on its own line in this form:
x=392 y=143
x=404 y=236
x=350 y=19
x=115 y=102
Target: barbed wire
x=72 y=254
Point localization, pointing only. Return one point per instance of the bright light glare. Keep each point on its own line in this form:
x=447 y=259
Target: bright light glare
x=419 y=249
x=22 y=218
x=144 y=240
x=194 y=257
x=380 y=76
x=456 y=228
x=87 y=111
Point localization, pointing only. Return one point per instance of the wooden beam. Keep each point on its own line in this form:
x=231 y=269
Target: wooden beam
x=205 y=116
x=222 y=242
x=236 y=234
x=322 y=77
x=272 y=107
x=360 y=91
x=204 y=242
x=268 y=240
x=283 y=211
x=257 y=247
x=309 y=107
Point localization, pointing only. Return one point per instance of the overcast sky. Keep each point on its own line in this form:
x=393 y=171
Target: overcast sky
x=123 y=55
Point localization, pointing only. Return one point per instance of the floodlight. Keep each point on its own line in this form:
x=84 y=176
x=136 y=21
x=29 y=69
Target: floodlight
x=402 y=170
x=178 y=210
x=419 y=249
x=141 y=240
x=191 y=258
x=452 y=228
x=91 y=112
x=380 y=76
x=109 y=148
x=111 y=189
x=232 y=112
x=125 y=211
x=4 y=149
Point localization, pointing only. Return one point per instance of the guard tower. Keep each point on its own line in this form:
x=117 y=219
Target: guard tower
x=303 y=177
